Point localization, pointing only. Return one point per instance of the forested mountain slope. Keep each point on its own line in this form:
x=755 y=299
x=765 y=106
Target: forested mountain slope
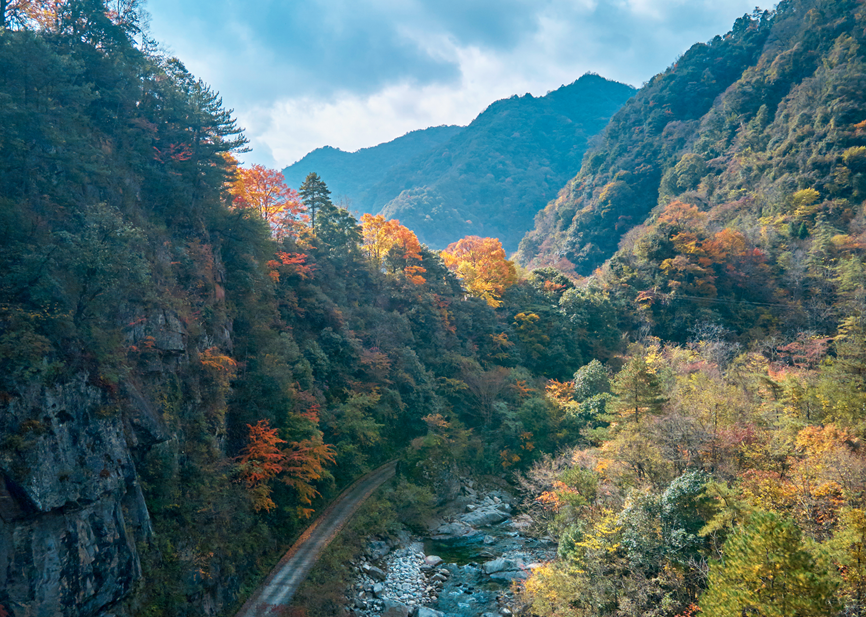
x=735 y=127
x=722 y=470
x=186 y=374
x=350 y=174
x=493 y=177
x=181 y=383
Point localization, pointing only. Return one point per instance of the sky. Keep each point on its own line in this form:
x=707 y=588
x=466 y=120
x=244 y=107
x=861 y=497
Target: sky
x=301 y=74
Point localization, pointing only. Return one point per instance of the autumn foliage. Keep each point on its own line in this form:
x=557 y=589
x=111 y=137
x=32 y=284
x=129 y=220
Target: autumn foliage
x=481 y=263
x=264 y=190
x=39 y=14
x=290 y=264
x=265 y=458
x=384 y=239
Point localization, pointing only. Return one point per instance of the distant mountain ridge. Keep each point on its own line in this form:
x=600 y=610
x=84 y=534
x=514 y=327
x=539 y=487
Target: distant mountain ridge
x=489 y=178
x=493 y=177
x=351 y=174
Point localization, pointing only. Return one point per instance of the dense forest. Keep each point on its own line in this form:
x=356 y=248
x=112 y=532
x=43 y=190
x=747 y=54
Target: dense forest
x=735 y=127
x=191 y=359
x=195 y=358
x=722 y=470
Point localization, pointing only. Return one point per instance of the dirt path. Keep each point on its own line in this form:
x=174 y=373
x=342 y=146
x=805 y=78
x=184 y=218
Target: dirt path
x=289 y=573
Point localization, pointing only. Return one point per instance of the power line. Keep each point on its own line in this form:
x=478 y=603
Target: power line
x=670 y=297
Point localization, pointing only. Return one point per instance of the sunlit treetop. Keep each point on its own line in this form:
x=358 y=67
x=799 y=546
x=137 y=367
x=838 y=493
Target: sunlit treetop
x=264 y=190
x=388 y=240
x=481 y=264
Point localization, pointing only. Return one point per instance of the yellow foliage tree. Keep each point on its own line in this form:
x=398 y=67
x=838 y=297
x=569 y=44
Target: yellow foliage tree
x=481 y=263
x=264 y=190
x=383 y=237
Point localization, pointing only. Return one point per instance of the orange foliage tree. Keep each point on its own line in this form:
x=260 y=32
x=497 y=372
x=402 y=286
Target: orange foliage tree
x=389 y=238
x=33 y=14
x=703 y=259
x=50 y=15
x=264 y=458
x=294 y=264
x=481 y=263
x=264 y=190
x=261 y=461
x=304 y=464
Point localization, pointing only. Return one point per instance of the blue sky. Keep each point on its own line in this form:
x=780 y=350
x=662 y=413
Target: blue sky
x=301 y=74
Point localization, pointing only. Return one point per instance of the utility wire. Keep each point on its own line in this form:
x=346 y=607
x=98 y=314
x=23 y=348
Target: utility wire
x=718 y=300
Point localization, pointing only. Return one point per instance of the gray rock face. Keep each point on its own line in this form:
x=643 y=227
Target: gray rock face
x=395 y=609
x=168 y=332
x=506 y=569
x=72 y=563
x=378 y=549
x=482 y=518
x=498 y=565
x=428 y=612
x=375 y=573
x=521 y=522
x=456 y=529
x=70 y=504
x=70 y=448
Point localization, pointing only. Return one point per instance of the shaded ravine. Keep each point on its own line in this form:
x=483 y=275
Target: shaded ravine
x=284 y=580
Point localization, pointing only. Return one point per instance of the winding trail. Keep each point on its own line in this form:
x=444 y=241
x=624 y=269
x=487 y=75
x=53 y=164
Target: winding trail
x=284 y=580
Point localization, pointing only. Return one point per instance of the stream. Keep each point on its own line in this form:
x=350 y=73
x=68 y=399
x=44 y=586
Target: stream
x=463 y=567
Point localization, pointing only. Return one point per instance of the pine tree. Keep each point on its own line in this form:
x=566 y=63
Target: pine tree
x=768 y=572
x=315 y=195
x=637 y=390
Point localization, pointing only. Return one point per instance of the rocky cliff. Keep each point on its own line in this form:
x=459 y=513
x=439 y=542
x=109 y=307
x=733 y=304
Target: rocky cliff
x=72 y=512
x=71 y=504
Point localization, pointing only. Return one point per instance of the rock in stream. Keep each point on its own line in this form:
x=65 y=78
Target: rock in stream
x=463 y=569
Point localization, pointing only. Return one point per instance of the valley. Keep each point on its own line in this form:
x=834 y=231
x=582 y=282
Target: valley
x=610 y=342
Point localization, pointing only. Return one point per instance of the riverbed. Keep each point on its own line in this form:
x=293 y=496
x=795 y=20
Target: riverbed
x=464 y=566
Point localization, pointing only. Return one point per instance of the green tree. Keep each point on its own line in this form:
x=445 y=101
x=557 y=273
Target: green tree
x=591 y=379
x=315 y=195
x=339 y=231
x=848 y=547
x=767 y=571
x=637 y=389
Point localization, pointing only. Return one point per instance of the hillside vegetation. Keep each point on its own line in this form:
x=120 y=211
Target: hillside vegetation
x=722 y=470
x=735 y=126
x=493 y=177
x=189 y=369
x=351 y=174
x=192 y=364
x=489 y=178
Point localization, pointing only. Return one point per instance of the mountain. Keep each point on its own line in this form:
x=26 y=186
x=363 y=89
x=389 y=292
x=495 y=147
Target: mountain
x=350 y=174
x=723 y=213
x=157 y=343
x=736 y=127
x=492 y=177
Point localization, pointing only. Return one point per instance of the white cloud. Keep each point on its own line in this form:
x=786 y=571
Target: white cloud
x=626 y=40
x=293 y=127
